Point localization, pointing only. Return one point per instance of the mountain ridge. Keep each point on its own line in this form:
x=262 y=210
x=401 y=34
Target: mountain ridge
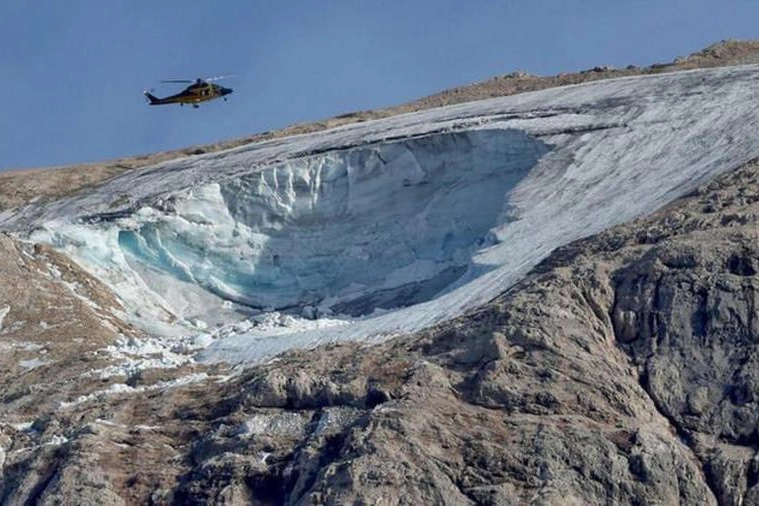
x=16 y=188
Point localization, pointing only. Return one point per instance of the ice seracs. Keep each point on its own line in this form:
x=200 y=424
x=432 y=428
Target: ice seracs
x=397 y=223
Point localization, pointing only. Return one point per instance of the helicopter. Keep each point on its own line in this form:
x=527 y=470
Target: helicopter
x=201 y=90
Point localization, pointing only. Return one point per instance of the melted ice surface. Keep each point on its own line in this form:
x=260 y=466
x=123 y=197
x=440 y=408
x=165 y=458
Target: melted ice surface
x=392 y=225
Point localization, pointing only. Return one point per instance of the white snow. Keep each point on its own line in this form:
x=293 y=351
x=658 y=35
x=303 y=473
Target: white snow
x=32 y=363
x=3 y=313
x=133 y=355
x=56 y=440
x=273 y=424
x=124 y=389
x=23 y=426
x=389 y=226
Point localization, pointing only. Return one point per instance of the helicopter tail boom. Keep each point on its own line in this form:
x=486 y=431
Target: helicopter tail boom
x=153 y=99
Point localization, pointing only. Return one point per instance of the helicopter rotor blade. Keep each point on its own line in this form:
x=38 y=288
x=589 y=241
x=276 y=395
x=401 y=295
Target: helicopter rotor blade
x=217 y=78
x=199 y=80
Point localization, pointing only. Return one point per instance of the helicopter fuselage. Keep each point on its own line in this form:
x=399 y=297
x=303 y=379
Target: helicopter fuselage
x=194 y=94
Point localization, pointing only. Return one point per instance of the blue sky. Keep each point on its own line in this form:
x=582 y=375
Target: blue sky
x=74 y=71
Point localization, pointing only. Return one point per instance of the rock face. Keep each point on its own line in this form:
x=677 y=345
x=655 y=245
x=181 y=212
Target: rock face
x=621 y=371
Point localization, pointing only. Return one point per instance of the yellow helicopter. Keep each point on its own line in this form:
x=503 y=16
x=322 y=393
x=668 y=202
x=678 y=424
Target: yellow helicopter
x=201 y=90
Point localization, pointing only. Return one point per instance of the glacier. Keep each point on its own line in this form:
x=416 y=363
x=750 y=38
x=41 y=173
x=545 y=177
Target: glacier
x=388 y=226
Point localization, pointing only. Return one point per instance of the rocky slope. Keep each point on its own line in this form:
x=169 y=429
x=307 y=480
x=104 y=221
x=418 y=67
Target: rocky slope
x=621 y=371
